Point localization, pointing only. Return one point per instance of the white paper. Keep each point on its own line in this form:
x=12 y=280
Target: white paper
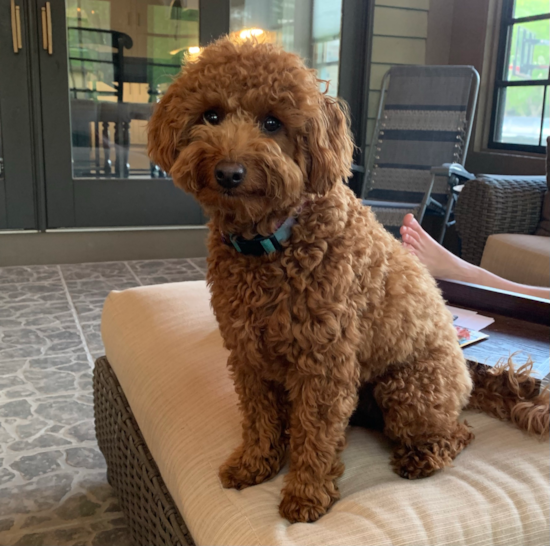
x=460 y=312
x=470 y=319
x=474 y=322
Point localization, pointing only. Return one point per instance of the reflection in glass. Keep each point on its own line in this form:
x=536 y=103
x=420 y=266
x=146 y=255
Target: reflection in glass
x=310 y=28
x=123 y=55
x=522 y=111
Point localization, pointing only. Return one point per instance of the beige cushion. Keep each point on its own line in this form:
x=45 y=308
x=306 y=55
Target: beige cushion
x=164 y=346
x=519 y=258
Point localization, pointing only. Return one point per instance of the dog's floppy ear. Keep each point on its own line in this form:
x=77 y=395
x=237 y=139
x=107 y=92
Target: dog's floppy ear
x=330 y=145
x=164 y=133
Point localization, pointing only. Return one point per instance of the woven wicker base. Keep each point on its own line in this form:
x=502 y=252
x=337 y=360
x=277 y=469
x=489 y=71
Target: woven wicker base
x=151 y=514
x=497 y=204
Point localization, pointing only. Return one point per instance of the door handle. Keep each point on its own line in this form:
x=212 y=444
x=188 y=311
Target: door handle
x=47 y=40
x=16 y=27
x=44 y=29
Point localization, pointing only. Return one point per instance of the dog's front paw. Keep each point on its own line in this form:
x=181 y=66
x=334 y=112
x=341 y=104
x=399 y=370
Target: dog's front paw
x=297 y=506
x=244 y=469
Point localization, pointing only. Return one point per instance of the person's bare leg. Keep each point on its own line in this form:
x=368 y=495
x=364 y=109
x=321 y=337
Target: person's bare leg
x=442 y=264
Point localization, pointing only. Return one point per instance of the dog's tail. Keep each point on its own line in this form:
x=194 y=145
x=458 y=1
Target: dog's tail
x=512 y=394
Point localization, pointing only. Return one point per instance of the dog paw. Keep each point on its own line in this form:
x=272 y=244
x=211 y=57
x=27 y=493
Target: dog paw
x=242 y=470
x=423 y=460
x=413 y=463
x=297 y=507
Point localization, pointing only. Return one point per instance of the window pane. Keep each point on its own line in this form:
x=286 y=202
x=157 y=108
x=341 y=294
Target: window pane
x=310 y=28
x=122 y=57
x=529 y=56
x=522 y=110
x=526 y=8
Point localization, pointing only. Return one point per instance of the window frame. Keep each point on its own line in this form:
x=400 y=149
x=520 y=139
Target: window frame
x=507 y=23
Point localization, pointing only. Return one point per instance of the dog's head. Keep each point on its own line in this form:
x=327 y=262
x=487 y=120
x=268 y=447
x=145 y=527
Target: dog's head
x=246 y=130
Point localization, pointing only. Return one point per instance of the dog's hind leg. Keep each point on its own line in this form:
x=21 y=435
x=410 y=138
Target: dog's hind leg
x=421 y=403
x=264 y=410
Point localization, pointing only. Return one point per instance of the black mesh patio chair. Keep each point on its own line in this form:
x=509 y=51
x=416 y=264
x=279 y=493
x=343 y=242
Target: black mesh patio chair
x=420 y=142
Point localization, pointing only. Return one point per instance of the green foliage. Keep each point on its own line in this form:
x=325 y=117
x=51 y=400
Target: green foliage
x=527 y=101
x=526 y=8
x=524 y=101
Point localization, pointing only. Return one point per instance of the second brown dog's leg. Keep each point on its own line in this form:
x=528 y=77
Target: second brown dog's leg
x=264 y=410
x=421 y=403
x=321 y=408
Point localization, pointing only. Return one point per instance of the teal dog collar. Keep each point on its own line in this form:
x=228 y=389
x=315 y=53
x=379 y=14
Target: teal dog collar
x=259 y=246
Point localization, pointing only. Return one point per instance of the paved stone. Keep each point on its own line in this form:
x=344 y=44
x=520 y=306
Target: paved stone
x=6 y=524
x=53 y=485
x=65 y=411
x=85 y=457
x=82 y=432
x=32 y=466
x=18 y=408
x=45 y=440
x=77 y=506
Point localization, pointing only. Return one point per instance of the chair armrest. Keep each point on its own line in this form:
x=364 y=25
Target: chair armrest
x=453 y=169
x=497 y=204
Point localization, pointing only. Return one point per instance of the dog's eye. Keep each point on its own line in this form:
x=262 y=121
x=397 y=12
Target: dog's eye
x=212 y=117
x=271 y=124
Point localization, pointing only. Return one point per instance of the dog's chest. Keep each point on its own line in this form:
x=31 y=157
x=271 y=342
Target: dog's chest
x=253 y=306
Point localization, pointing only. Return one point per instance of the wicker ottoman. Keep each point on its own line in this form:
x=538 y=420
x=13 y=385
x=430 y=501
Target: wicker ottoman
x=167 y=417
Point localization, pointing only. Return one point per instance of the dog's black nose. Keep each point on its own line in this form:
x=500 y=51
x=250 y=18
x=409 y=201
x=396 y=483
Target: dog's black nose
x=229 y=175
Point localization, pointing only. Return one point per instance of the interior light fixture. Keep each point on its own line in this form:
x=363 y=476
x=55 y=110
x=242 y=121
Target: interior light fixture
x=249 y=32
x=193 y=50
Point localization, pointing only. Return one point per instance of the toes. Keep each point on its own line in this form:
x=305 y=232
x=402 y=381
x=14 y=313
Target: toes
x=414 y=235
x=411 y=249
x=409 y=220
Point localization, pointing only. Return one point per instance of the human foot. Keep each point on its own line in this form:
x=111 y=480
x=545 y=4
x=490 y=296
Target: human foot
x=440 y=262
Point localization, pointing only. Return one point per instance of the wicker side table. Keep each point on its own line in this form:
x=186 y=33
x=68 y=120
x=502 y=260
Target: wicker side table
x=151 y=514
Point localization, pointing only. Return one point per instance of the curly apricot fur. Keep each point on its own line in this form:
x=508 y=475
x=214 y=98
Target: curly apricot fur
x=342 y=305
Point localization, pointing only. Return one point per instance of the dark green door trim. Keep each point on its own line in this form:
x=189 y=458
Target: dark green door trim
x=17 y=193
x=3 y=207
x=102 y=203
x=355 y=55
x=93 y=202
x=213 y=20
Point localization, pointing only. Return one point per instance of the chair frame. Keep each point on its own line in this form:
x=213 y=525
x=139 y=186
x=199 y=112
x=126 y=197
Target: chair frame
x=455 y=175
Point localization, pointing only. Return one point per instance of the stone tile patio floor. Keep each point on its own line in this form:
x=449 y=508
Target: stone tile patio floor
x=53 y=486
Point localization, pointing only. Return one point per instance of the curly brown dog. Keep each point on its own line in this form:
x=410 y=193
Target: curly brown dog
x=336 y=305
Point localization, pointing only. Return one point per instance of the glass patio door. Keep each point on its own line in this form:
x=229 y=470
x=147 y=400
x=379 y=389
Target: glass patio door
x=104 y=64
x=17 y=189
